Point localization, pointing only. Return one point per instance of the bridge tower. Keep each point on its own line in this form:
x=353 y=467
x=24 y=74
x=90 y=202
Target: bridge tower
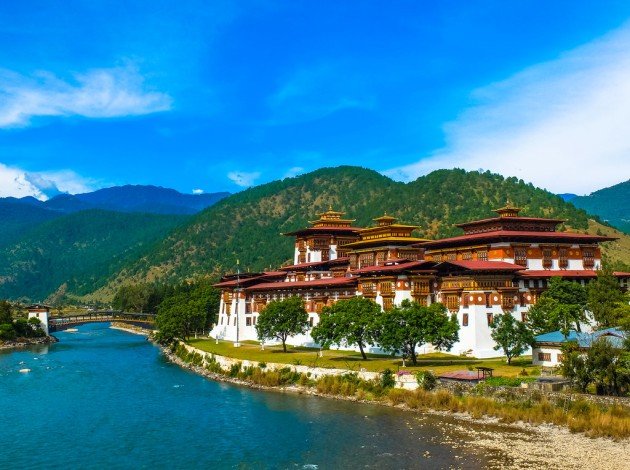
x=41 y=312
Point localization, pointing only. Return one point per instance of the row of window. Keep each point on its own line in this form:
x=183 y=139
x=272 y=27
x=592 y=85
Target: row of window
x=546 y=357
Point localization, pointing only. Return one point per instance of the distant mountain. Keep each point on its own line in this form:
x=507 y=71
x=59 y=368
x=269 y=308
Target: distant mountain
x=20 y=215
x=150 y=199
x=610 y=204
x=76 y=253
x=566 y=197
x=247 y=225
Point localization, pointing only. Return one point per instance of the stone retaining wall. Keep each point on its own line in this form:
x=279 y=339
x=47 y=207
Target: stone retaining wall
x=315 y=372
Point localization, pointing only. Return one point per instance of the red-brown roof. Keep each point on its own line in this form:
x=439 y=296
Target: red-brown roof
x=582 y=273
x=514 y=235
x=249 y=280
x=306 y=231
x=481 y=265
x=315 y=264
x=392 y=267
x=329 y=282
x=509 y=220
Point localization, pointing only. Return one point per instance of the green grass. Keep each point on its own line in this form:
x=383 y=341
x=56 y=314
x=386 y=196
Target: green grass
x=351 y=360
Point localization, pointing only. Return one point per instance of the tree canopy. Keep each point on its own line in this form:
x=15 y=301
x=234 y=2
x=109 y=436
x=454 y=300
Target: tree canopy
x=606 y=300
x=281 y=319
x=511 y=335
x=561 y=307
x=351 y=321
x=402 y=329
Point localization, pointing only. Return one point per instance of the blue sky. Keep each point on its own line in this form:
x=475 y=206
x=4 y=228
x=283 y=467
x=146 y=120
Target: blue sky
x=220 y=95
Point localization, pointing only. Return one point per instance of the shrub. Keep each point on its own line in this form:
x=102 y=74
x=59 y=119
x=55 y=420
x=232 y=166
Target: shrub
x=262 y=365
x=426 y=380
x=235 y=369
x=387 y=379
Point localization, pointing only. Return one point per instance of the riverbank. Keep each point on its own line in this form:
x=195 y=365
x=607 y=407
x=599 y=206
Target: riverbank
x=136 y=330
x=530 y=433
x=25 y=342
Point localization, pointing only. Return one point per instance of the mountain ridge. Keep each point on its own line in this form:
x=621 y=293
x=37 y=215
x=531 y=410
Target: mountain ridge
x=247 y=225
x=610 y=204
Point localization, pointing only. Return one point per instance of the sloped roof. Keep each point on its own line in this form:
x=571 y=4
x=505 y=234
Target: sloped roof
x=584 y=340
x=328 y=282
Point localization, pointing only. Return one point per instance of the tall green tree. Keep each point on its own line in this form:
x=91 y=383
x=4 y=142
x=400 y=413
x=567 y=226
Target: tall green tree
x=353 y=322
x=281 y=319
x=402 y=329
x=511 y=335
x=605 y=299
x=561 y=307
x=180 y=316
x=602 y=365
x=6 y=311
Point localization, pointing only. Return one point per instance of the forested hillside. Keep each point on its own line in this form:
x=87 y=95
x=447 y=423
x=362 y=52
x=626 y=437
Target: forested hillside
x=247 y=225
x=19 y=216
x=610 y=204
x=77 y=253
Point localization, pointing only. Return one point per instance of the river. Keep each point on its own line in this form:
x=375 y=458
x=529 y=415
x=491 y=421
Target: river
x=103 y=398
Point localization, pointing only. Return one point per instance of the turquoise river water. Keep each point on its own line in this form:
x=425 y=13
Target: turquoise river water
x=103 y=398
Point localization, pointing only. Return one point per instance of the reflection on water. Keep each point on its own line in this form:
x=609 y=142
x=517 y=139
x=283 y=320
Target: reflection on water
x=103 y=397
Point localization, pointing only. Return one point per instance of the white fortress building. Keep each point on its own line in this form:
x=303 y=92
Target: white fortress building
x=498 y=266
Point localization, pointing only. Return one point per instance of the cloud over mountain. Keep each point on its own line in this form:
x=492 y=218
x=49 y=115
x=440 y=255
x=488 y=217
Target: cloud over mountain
x=562 y=124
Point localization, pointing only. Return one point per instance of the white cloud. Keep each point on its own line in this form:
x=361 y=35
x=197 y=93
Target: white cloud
x=294 y=171
x=197 y=191
x=16 y=182
x=243 y=179
x=562 y=125
x=98 y=93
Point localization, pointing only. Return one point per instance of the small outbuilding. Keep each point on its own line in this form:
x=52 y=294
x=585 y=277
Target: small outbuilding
x=41 y=312
x=547 y=349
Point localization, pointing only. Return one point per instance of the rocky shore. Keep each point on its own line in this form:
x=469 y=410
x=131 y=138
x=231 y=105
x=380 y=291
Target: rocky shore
x=514 y=445
x=24 y=342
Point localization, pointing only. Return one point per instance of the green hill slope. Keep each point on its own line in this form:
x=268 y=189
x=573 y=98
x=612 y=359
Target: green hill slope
x=247 y=225
x=610 y=204
x=77 y=253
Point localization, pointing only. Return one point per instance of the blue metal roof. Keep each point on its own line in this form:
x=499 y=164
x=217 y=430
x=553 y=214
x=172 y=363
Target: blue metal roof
x=584 y=340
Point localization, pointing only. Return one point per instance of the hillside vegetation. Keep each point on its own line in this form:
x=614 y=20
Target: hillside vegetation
x=247 y=225
x=77 y=253
x=610 y=204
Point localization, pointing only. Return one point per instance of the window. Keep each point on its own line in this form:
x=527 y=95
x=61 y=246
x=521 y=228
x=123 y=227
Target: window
x=388 y=303
x=520 y=256
x=221 y=320
x=451 y=257
x=488 y=301
x=248 y=321
x=563 y=261
x=588 y=258
x=547 y=261
x=489 y=316
x=466 y=255
x=465 y=298
x=524 y=317
x=465 y=319
x=560 y=357
x=310 y=321
x=544 y=356
x=482 y=255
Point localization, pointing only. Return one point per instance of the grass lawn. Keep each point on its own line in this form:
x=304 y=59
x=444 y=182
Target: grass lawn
x=351 y=360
